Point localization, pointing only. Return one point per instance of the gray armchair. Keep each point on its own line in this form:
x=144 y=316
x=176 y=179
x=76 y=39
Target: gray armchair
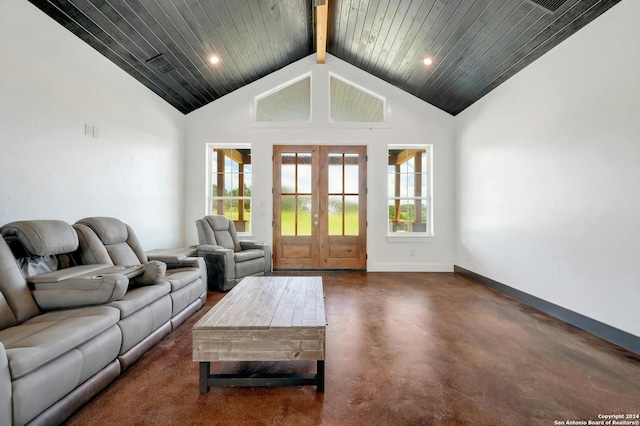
x=228 y=259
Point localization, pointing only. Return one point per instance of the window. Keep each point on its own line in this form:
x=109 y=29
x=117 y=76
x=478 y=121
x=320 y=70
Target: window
x=352 y=104
x=409 y=189
x=229 y=184
x=290 y=103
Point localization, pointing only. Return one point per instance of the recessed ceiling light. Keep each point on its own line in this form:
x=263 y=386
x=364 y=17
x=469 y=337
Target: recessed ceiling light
x=214 y=60
x=427 y=61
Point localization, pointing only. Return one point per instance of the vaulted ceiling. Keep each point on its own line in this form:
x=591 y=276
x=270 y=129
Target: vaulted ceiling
x=475 y=45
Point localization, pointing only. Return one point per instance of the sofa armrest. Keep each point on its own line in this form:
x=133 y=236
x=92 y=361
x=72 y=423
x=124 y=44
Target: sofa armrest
x=190 y=262
x=247 y=245
x=221 y=257
x=6 y=408
x=75 y=292
x=208 y=248
x=153 y=272
x=171 y=255
x=217 y=250
x=187 y=262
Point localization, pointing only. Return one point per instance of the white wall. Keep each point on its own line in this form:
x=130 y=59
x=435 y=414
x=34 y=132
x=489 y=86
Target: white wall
x=547 y=172
x=51 y=84
x=228 y=120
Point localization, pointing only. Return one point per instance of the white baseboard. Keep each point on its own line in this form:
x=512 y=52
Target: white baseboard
x=409 y=267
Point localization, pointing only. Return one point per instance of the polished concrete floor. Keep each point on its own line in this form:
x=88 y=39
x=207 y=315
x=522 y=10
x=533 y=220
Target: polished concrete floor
x=402 y=349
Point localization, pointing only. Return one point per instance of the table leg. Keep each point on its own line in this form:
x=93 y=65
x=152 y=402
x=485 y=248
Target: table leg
x=205 y=370
x=320 y=376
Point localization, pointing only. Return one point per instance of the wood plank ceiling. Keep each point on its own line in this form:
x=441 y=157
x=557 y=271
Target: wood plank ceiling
x=475 y=45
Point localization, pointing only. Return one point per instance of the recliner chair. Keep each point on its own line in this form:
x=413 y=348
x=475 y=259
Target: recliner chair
x=228 y=259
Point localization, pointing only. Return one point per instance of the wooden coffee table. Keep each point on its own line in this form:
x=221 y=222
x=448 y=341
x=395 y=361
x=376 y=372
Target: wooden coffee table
x=264 y=319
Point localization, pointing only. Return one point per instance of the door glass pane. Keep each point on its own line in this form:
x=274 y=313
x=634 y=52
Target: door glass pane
x=343 y=215
x=335 y=173
x=351 y=173
x=304 y=173
x=351 y=215
x=304 y=215
x=288 y=215
x=288 y=173
x=335 y=215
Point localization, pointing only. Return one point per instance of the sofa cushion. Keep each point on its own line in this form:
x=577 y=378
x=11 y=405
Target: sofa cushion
x=180 y=277
x=43 y=237
x=117 y=238
x=224 y=232
x=7 y=317
x=250 y=267
x=138 y=298
x=91 y=250
x=6 y=415
x=74 y=372
x=245 y=255
x=50 y=335
x=16 y=304
x=122 y=254
x=109 y=229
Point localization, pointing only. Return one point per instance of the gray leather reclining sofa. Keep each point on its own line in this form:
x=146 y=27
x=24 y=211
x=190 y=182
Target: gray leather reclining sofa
x=79 y=305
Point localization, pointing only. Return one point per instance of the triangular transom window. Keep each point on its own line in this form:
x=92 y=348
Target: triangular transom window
x=351 y=104
x=291 y=103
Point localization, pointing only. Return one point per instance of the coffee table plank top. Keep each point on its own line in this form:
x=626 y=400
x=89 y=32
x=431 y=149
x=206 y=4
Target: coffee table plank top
x=269 y=302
